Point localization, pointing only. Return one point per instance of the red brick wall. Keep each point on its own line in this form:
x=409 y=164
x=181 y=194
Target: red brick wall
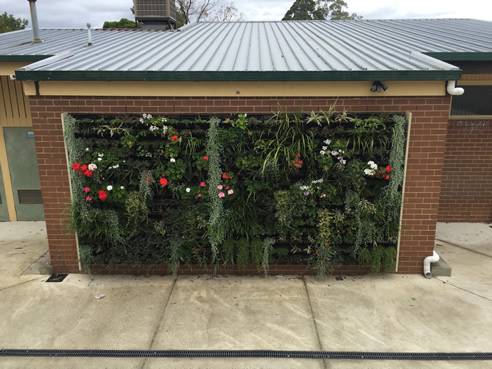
x=466 y=191
x=424 y=165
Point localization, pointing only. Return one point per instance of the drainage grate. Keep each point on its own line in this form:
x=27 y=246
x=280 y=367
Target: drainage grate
x=337 y=355
x=57 y=277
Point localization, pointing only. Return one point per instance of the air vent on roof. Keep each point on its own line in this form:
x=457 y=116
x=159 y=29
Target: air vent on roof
x=155 y=13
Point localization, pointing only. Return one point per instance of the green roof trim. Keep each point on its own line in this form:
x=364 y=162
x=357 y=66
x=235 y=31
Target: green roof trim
x=392 y=75
x=468 y=56
x=23 y=58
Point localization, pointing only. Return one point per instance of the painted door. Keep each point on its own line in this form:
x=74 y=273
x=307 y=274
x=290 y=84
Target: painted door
x=4 y=212
x=23 y=165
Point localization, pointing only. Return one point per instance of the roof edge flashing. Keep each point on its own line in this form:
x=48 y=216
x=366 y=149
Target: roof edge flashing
x=29 y=73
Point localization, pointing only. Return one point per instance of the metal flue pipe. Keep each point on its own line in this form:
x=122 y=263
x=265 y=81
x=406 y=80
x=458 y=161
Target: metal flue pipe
x=34 y=21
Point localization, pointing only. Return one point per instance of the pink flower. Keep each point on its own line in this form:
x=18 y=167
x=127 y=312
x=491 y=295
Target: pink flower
x=88 y=198
x=202 y=184
x=230 y=192
x=219 y=187
x=87 y=189
x=322 y=195
x=199 y=195
x=221 y=194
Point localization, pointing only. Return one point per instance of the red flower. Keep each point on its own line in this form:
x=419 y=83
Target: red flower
x=76 y=166
x=102 y=195
x=163 y=181
x=88 y=173
x=83 y=168
x=296 y=165
x=225 y=176
x=174 y=138
x=300 y=162
x=298 y=155
x=387 y=177
x=388 y=169
x=205 y=158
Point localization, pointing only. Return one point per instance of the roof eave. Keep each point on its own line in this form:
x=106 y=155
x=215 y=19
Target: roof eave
x=460 y=56
x=256 y=76
x=22 y=58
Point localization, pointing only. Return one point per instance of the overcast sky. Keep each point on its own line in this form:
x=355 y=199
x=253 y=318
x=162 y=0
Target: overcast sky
x=75 y=14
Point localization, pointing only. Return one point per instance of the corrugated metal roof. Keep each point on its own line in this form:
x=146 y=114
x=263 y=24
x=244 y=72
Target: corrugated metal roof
x=18 y=45
x=294 y=50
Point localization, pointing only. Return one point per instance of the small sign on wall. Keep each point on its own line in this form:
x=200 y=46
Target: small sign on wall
x=30 y=134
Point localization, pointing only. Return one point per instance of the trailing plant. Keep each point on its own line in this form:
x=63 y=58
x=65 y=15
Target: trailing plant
x=378 y=258
x=267 y=251
x=324 y=252
x=243 y=254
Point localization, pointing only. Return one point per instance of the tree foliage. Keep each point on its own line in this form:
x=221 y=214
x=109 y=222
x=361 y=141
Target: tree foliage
x=194 y=10
x=188 y=11
x=9 y=23
x=227 y=13
x=122 y=23
x=319 y=10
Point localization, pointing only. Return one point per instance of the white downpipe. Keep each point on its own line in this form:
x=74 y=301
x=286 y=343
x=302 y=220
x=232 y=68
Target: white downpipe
x=453 y=90
x=427 y=263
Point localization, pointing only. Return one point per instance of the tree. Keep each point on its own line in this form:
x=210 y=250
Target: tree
x=319 y=10
x=194 y=10
x=122 y=23
x=8 y=23
x=227 y=13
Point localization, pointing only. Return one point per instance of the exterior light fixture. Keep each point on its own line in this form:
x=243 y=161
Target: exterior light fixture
x=377 y=86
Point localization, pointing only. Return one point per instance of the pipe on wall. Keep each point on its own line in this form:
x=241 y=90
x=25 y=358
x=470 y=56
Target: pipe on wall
x=427 y=264
x=453 y=90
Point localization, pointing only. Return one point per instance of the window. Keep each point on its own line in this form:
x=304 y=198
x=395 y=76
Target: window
x=477 y=100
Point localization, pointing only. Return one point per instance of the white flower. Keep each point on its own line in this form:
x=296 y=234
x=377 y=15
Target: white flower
x=334 y=153
x=116 y=166
x=149 y=116
x=99 y=159
x=153 y=128
x=86 y=149
x=327 y=141
x=373 y=165
x=109 y=188
x=100 y=155
x=318 y=181
x=92 y=167
x=144 y=116
x=245 y=115
x=304 y=188
x=369 y=172
x=322 y=152
x=325 y=148
x=343 y=161
x=342 y=152
x=172 y=160
x=141 y=120
x=164 y=129
x=122 y=187
x=164 y=120
x=188 y=189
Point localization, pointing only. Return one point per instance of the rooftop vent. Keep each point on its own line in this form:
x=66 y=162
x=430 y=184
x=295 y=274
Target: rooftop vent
x=155 y=13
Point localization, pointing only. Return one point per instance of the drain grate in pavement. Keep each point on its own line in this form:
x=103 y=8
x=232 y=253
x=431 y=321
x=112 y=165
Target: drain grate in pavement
x=57 y=277
x=334 y=355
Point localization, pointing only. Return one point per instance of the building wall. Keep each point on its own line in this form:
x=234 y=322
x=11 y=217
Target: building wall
x=466 y=191
x=424 y=164
x=14 y=112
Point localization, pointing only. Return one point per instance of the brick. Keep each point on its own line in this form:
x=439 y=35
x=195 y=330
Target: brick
x=428 y=155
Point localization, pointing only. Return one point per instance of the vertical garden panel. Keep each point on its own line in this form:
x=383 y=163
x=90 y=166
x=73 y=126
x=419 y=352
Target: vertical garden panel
x=322 y=189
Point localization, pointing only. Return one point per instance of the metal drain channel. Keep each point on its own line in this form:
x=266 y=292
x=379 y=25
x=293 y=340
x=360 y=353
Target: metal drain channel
x=335 y=355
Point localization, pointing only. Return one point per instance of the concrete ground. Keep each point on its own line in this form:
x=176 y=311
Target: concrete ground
x=389 y=312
